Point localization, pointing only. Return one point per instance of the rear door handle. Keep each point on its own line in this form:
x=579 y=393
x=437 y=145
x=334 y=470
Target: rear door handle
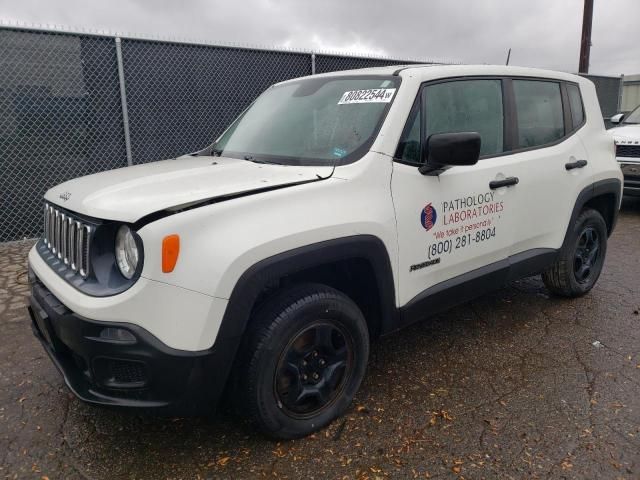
x=576 y=164
x=503 y=183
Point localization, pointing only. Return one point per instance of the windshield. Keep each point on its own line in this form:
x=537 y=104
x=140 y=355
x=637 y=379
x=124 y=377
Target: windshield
x=313 y=121
x=633 y=117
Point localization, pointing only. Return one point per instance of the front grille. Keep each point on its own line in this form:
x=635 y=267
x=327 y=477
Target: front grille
x=67 y=238
x=629 y=151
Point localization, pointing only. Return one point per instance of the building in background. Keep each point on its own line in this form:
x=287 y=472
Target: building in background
x=630 y=93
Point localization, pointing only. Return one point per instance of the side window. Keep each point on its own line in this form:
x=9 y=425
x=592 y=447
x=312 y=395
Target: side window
x=409 y=146
x=575 y=102
x=539 y=110
x=466 y=106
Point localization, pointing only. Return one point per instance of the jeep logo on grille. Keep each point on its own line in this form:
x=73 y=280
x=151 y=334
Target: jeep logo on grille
x=65 y=196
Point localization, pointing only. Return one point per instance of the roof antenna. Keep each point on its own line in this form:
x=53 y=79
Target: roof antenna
x=508 y=57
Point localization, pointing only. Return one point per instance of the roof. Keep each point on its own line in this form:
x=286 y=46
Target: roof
x=443 y=71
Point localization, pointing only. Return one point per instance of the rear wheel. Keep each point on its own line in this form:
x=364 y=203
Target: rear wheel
x=579 y=265
x=303 y=360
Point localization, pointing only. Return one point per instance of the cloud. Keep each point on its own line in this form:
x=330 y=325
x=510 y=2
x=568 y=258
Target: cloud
x=542 y=33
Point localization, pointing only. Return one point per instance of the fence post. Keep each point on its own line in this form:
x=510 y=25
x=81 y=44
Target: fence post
x=123 y=101
x=313 y=64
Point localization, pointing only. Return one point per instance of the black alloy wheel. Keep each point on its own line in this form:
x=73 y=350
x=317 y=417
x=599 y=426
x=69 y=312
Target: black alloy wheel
x=586 y=255
x=313 y=369
x=581 y=259
x=302 y=361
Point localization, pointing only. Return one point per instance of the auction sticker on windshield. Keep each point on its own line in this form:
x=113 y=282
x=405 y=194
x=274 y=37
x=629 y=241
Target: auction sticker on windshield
x=372 y=95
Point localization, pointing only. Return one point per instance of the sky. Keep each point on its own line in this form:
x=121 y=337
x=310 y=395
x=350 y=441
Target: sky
x=541 y=33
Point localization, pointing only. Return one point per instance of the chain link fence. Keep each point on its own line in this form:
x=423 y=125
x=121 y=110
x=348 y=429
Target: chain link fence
x=334 y=63
x=60 y=117
x=72 y=104
x=75 y=104
x=180 y=97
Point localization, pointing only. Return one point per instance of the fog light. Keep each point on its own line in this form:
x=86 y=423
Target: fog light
x=118 y=335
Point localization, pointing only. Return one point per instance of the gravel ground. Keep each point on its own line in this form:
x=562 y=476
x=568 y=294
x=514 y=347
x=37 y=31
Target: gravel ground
x=516 y=384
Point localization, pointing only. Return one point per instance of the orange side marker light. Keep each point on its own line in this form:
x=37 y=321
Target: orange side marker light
x=170 y=252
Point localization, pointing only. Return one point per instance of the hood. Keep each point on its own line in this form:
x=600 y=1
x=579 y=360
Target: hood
x=128 y=194
x=626 y=132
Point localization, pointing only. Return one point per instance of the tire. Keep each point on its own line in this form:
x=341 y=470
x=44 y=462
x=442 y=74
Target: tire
x=580 y=263
x=311 y=343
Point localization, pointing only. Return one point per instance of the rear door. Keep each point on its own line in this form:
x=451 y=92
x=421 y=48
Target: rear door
x=454 y=223
x=549 y=160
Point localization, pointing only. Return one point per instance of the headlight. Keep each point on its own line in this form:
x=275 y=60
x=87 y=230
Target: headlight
x=126 y=252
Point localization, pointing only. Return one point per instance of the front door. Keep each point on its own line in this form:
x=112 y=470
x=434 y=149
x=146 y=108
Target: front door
x=461 y=221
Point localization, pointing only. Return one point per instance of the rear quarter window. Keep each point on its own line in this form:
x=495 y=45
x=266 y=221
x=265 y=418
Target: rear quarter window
x=575 y=103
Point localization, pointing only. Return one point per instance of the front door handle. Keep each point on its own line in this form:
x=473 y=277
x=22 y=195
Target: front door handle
x=503 y=183
x=576 y=164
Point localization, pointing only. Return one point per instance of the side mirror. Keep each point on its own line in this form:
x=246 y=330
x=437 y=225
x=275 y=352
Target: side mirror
x=616 y=119
x=445 y=150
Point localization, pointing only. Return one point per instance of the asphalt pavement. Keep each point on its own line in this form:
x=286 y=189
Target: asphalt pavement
x=517 y=384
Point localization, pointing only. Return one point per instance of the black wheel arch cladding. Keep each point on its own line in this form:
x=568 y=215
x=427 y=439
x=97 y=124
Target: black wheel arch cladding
x=610 y=191
x=258 y=277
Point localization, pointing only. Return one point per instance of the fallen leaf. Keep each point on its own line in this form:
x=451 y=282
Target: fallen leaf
x=279 y=452
x=223 y=461
x=446 y=415
x=566 y=465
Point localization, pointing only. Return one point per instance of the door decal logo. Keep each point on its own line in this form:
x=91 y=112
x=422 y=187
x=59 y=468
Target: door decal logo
x=428 y=217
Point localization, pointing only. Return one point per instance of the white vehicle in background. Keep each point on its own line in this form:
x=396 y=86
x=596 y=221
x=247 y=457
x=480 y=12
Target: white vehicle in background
x=627 y=138
x=335 y=209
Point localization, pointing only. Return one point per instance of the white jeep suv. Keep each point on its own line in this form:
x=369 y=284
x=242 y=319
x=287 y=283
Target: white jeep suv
x=335 y=209
x=627 y=138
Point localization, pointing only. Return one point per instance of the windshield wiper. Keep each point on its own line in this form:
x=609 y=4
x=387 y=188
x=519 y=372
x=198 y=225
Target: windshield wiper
x=251 y=158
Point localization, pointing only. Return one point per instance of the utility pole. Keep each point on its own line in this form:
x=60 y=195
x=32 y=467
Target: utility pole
x=585 y=44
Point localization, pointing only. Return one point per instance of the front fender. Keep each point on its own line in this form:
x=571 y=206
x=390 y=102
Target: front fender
x=219 y=242
x=254 y=280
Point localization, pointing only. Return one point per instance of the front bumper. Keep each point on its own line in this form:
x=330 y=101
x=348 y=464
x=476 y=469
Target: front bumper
x=631 y=172
x=140 y=372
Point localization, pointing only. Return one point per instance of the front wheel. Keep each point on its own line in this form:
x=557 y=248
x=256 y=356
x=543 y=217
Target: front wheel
x=579 y=265
x=303 y=361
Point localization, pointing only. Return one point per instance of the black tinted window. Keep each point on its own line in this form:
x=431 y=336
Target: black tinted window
x=575 y=102
x=539 y=108
x=467 y=106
